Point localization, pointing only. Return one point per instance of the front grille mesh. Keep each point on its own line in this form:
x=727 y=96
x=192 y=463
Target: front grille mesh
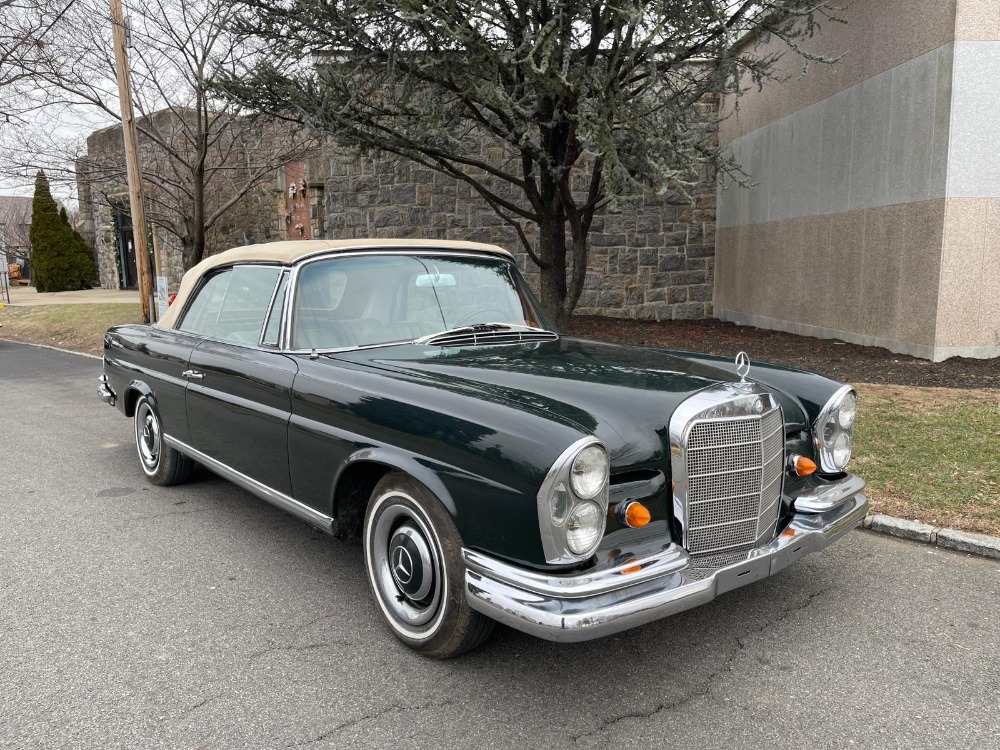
x=734 y=470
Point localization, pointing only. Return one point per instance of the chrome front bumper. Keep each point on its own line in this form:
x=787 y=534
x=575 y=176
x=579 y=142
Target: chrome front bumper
x=582 y=606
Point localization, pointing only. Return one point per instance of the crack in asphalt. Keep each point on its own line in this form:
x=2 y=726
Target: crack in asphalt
x=370 y=717
x=191 y=709
x=608 y=722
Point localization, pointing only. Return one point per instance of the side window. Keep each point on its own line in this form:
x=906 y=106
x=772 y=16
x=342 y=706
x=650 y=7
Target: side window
x=272 y=331
x=245 y=305
x=203 y=313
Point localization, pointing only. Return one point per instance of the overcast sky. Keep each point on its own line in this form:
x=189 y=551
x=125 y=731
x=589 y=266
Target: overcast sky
x=48 y=126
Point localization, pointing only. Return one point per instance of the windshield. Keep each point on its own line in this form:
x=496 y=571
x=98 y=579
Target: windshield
x=377 y=299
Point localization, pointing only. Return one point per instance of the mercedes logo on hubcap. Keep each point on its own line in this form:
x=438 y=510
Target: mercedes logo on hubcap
x=402 y=565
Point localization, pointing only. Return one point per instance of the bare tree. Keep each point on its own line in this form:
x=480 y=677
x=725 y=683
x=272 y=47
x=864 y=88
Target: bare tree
x=201 y=155
x=25 y=28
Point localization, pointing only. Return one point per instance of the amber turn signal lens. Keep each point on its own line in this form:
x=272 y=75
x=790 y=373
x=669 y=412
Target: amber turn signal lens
x=630 y=569
x=802 y=465
x=636 y=515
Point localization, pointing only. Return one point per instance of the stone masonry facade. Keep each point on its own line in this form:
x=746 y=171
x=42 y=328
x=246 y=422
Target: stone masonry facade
x=650 y=259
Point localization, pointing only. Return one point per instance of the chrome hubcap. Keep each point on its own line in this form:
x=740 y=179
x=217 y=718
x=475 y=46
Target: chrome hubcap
x=410 y=563
x=406 y=569
x=147 y=437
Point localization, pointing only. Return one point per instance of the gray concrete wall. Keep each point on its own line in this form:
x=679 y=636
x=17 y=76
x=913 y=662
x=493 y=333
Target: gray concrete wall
x=874 y=196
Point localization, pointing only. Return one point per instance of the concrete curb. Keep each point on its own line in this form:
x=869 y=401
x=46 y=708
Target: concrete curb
x=961 y=541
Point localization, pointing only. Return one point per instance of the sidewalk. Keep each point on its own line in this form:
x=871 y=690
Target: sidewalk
x=26 y=296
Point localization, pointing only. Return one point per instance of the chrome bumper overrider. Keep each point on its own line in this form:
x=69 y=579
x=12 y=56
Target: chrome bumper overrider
x=582 y=606
x=105 y=392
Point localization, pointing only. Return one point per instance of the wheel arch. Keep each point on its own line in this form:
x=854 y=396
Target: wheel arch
x=363 y=470
x=133 y=391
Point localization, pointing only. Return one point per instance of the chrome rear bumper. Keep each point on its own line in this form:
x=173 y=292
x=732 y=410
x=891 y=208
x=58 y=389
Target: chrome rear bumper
x=583 y=606
x=105 y=392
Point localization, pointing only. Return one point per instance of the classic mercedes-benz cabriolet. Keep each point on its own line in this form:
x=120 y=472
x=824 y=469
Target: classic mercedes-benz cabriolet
x=415 y=393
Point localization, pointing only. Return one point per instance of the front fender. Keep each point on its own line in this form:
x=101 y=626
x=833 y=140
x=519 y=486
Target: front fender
x=417 y=467
x=477 y=504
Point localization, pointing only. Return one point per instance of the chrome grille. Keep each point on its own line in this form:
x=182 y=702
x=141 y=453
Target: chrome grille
x=733 y=467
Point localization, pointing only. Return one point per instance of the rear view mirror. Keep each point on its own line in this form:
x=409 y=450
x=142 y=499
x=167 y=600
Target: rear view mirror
x=435 y=279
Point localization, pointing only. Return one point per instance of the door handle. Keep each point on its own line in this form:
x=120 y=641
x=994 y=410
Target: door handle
x=192 y=375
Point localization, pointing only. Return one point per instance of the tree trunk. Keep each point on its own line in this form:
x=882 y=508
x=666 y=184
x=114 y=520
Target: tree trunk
x=552 y=250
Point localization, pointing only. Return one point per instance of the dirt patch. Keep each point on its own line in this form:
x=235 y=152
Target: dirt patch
x=847 y=363
x=919 y=399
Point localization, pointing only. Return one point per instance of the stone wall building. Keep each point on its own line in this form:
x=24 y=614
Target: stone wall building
x=650 y=259
x=105 y=218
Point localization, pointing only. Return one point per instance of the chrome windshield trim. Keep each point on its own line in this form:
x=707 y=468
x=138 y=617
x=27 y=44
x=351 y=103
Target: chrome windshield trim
x=394 y=249
x=271 y=495
x=282 y=276
x=345 y=349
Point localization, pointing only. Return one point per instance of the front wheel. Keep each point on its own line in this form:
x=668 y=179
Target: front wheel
x=413 y=556
x=162 y=464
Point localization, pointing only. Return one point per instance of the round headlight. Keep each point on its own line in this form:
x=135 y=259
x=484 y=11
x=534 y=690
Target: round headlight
x=589 y=472
x=841 y=452
x=833 y=431
x=847 y=411
x=584 y=527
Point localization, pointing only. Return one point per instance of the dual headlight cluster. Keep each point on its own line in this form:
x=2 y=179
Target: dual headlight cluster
x=573 y=502
x=834 y=430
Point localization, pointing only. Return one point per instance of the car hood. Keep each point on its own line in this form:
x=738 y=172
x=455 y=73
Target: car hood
x=624 y=395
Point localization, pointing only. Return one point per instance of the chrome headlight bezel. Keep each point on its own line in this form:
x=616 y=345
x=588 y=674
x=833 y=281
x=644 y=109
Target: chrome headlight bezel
x=828 y=431
x=557 y=500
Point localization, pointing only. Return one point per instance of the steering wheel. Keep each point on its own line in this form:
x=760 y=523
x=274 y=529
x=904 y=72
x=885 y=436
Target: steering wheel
x=487 y=313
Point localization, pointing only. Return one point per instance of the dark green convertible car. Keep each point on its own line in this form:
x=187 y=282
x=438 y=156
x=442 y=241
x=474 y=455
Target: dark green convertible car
x=414 y=392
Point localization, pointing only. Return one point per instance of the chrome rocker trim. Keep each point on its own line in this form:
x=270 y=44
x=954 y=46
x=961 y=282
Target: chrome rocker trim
x=279 y=499
x=583 y=606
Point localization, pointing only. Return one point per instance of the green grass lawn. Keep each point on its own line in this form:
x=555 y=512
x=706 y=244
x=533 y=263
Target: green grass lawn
x=77 y=327
x=931 y=454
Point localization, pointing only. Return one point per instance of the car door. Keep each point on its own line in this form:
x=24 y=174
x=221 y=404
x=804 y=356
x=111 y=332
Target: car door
x=239 y=390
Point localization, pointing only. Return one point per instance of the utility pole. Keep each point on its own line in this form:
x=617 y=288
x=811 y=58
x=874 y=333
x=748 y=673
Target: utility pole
x=132 y=160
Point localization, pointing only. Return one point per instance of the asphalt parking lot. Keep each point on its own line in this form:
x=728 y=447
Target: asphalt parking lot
x=133 y=616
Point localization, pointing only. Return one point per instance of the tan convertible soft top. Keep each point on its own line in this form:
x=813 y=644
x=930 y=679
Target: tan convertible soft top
x=290 y=251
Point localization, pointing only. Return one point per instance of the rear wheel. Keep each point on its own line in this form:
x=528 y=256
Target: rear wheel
x=162 y=464
x=413 y=557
